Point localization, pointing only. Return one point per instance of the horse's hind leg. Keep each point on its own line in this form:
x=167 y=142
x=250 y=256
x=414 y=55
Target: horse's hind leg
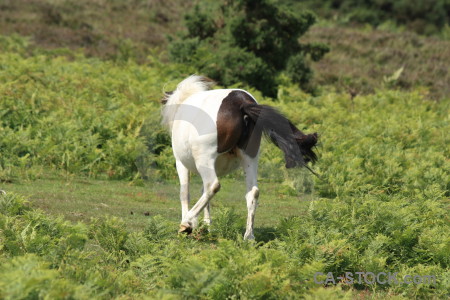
x=183 y=175
x=207 y=217
x=211 y=186
x=250 y=166
x=207 y=211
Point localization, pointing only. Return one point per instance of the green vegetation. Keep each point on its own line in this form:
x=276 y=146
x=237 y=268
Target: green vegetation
x=248 y=41
x=80 y=115
x=380 y=204
x=91 y=209
x=359 y=60
x=80 y=199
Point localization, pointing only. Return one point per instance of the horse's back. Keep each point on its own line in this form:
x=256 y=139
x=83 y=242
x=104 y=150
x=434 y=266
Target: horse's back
x=210 y=123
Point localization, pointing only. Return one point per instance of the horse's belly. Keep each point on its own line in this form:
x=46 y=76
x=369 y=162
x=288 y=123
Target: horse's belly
x=227 y=162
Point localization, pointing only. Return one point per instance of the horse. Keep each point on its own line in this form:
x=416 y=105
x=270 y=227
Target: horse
x=214 y=131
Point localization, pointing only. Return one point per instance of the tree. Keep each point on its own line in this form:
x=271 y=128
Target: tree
x=250 y=41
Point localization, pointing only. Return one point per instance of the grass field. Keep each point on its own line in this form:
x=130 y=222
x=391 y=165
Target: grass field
x=79 y=199
x=91 y=209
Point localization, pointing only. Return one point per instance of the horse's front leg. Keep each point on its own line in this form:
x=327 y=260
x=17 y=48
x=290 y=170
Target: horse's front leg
x=183 y=175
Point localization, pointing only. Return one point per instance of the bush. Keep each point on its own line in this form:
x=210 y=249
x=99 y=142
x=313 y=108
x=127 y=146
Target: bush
x=247 y=41
x=12 y=204
x=109 y=233
x=227 y=224
x=83 y=116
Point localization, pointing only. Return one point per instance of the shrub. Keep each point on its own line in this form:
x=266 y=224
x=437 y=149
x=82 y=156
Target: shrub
x=12 y=204
x=70 y=115
x=247 y=41
x=227 y=224
x=109 y=233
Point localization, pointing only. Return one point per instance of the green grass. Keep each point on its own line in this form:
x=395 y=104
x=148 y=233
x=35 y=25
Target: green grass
x=79 y=199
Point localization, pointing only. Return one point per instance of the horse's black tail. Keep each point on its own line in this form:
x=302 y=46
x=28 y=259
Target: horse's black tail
x=296 y=146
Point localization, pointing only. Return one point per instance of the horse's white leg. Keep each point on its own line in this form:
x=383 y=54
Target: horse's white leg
x=211 y=186
x=183 y=174
x=251 y=177
x=207 y=217
x=207 y=211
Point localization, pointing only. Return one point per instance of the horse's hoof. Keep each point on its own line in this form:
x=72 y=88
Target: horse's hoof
x=249 y=237
x=185 y=229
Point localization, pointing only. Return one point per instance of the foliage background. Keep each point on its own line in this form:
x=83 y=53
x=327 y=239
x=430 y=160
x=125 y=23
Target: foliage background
x=381 y=204
x=248 y=41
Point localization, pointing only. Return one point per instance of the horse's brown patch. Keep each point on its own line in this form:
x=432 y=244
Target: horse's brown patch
x=234 y=128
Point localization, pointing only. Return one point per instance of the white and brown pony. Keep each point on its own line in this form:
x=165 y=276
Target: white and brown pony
x=216 y=131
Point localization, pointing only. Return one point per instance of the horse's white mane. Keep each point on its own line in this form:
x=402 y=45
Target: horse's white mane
x=186 y=88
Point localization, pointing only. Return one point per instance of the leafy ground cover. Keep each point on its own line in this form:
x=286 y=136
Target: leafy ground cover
x=381 y=203
x=80 y=114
